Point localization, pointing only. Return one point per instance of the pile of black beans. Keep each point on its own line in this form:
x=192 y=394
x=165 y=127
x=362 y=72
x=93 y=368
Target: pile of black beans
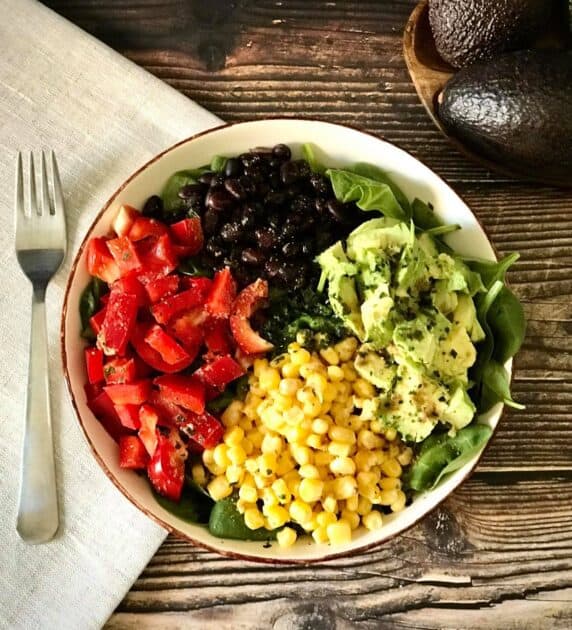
x=267 y=215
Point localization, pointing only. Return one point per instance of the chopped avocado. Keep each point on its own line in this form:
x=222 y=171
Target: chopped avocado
x=371 y=366
x=460 y=410
x=465 y=314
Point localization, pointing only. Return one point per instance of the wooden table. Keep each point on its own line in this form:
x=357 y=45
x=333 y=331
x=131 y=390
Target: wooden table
x=498 y=554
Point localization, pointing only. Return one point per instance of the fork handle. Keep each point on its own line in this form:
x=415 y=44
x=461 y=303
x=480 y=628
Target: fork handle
x=38 y=511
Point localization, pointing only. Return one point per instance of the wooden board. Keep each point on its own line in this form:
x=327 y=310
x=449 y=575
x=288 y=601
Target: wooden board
x=499 y=553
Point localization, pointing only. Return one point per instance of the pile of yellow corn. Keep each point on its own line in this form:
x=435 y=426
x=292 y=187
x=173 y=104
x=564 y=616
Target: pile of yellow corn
x=297 y=450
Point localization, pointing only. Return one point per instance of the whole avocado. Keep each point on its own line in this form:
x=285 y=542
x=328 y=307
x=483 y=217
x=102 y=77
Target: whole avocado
x=467 y=31
x=515 y=110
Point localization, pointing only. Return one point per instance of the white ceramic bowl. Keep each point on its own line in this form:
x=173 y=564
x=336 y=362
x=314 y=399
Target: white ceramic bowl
x=342 y=146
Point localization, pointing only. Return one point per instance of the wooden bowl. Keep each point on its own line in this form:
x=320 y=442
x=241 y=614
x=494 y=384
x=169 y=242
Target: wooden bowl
x=430 y=73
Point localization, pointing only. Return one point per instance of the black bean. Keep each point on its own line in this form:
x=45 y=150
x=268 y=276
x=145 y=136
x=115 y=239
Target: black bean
x=307 y=247
x=336 y=210
x=233 y=167
x=274 y=164
x=153 y=207
x=274 y=180
x=293 y=191
x=214 y=248
x=288 y=231
x=255 y=208
x=191 y=191
x=230 y=232
x=290 y=249
x=272 y=267
x=247 y=221
x=275 y=220
x=289 y=173
x=282 y=152
x=302 y=203
x=320 y=185
x=321 y=207
x=217 y=180
x=250 y=160
x=248 y=184
x=265 y=237
x=304 y=169
x=219 y=199
x=235 y=188
x=324 y=238
x=251 y=256
x=262 y=151
x=206 y=178
x=275 y=198
x=210 y=221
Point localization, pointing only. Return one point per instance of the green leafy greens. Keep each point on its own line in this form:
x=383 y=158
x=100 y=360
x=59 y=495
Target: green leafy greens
x=89 y=305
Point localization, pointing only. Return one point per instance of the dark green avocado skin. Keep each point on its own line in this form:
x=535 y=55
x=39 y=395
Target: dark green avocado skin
x=516 y=111
x=467 y=31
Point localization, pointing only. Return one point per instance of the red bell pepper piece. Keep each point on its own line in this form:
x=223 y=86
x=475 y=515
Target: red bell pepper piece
x=157 y=257
x=131 y=284
x=129 y=393
x=132 y=453
x=186 y=391
x=118 y=324
x=217 y=336
x=148 y=419
x=170 y=307
x=204 y=429
x=92 y=390
x=120 y=370
x=220 y=372
x=188 y=330
x=94 y=365
x=124 y=219
x=189 y=233
x=151 y=357
x=102 y=408
x=144 y=227
x=165 y=345
x=221 y=295
x=129 y=416
x=161 y=287
x=124 y=254
x=248 y=300
x=96 y=321
x=166 y=469
x=200 y=283
x=169 y=413
x=100 y=262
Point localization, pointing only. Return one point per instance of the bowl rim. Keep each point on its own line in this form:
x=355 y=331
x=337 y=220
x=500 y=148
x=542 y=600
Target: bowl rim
x=171 y=529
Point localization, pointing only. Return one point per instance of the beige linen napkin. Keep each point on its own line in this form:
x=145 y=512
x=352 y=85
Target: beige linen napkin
x=104 y=117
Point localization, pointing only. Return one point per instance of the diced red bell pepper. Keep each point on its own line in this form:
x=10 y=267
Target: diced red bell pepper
x=217 y=336
x=92 y=390
x=100 y=262
x=166 y=469
x=129 y=416
x=129 y=393
x=158 y=258
x=204 y=429
x=144 y=226
x=124 y=219
x=118 y=324
x=120 y=370
x=94 y=365
x=188 y=232
x=186 y=391
x=220 y=372
x=221 y=295
x=165 y=345
x=125 y=255
x=246 y=361
x=188 y=330
x=132 y=453
x=170 y=307
x=247 y=301
x=103 y=409
x=161 y=287
x=96 y=321
x=148 y=419
x=200 y=283
x=131 y=284
x=151 y=357
x=170 y=414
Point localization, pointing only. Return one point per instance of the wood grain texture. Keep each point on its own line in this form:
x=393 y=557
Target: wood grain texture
x=498 y=554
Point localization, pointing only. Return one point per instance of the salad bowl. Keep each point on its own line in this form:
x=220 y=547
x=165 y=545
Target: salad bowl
x=341 y=147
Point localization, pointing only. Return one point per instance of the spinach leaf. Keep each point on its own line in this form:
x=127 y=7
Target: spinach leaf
x=227 y=522
x=367 y=193
x=423 y=215
x=235 y=391
x=495 y=387
x=170 y=193
x=89 y=305
x=373 y=172
x=195 y=506
x=490 y=271
x=191 y=267
x=309 y=154
x=507 y=324
x=218 y=163
x=441 y=230
x=445 y=455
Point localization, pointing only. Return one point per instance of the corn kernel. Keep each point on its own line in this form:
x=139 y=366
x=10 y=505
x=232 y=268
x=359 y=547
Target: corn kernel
x=234 y=474
x=267 y=464
x=339 y=449
x=315 y=441
x=262 y=482
x=293 y=416
x=290 y=370
x=272 y=443
x=285 y=464
x=248 y=493
x=343 y=466
x=405 y=457
x=299 y=356
x=219 y=488
x=281 y=491
x=277 y=516
x=330 y=504
x=231 y=415
x=354 y=423
x=253 y=519
x=220 y=455
x=364 y=506
x=399 y=502
x=352 y=503
x=302 y=454
x=309 y=471
x=390 y=434
x=330 y=356
x=350 y=375
x=366 y=480
x=301 y=512
x=346 y=348
x=320 y=426
x=324 y=519
x=320 y=535
x=372 y=520
x=251 y=465
x=344 y=487
x=286 y=537
x=269 y=498
x=269 y=379
x=236 y=455
x=322 y=458
x=289 y=386
x=351 y=517
x=390 y=483
x=330 y=393
x=335 y=373
x=255 y=437
x=364 y=460
x=391 y=467
x=233 y=436
x=387 y=497
x=363 y=388
x=208 y=456
x=310 y=490
x=339 y=533
x=341 y=434
x=369 y=440
x=199 y=474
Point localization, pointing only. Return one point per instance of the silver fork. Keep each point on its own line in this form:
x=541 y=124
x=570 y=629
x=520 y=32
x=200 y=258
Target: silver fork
x=40 y=248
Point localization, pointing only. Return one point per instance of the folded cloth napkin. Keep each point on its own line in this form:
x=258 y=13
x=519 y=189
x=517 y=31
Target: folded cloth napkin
x=104 y=117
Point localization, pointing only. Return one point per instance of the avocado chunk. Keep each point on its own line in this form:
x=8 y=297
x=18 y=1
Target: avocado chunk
x=467 y=31
x=515 y=111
